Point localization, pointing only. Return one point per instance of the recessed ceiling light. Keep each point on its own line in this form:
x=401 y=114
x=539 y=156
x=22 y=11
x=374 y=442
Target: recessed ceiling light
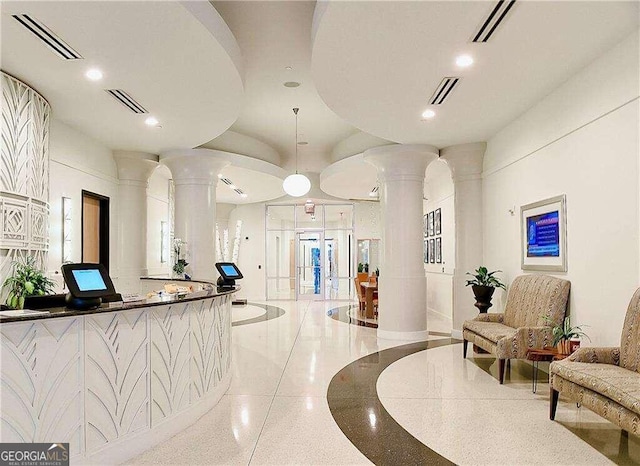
x=428 y=113
x=373 y=194
x=151 y=121
x=291 y=84
x=464 y=61
x=244 y=195
x=232 y=186
x=94 y=74
x=288 y=68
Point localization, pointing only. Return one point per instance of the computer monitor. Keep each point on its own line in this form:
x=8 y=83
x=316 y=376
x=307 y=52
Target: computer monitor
x=87 y=284
x=229 y=273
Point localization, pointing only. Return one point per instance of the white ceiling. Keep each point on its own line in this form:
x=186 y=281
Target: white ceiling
x=158 y=52
x=365 y=66
x=376 y=64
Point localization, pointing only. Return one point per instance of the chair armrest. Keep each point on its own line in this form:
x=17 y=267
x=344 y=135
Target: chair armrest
x=525 y=338
x=492 y=317
x=597 y=355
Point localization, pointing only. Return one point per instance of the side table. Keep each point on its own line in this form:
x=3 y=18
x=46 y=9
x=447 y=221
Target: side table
x=536 y=355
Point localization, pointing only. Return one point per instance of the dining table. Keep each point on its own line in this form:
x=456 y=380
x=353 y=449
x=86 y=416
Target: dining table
x=369 y=288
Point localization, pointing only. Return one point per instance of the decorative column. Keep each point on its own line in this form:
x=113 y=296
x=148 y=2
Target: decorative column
x=134 y=170
x=402 y=309
x=195 y=177
x=465 y=162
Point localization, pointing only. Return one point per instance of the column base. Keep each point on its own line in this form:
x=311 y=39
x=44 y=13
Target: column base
x=420 y=335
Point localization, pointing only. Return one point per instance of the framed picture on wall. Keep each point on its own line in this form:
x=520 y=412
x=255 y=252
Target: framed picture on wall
x=439 y=250
x=543 y=227
x=425 y=251
x=432 y=254
x=425 y=222
x=436 y=221
x=431 y=230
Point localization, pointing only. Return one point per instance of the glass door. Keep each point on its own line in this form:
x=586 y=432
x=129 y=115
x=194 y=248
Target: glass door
x=309 y=265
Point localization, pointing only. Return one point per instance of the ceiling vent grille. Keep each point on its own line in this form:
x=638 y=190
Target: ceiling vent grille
x=443 y=91
x=494 y=19
x=51 y=40
x=126 y=100
x=226 y=181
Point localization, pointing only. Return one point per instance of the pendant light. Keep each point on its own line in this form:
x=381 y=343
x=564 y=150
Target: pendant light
x=296 y=185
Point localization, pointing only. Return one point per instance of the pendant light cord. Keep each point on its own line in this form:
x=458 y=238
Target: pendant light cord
x=295 y=111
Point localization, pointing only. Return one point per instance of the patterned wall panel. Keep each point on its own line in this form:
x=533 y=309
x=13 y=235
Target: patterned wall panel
x=170 y=356
x=117 y=376
x=210 y=334
x=41 y=394
x=24 y=173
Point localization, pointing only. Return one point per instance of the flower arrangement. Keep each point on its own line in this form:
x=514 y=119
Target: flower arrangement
x=180 y=264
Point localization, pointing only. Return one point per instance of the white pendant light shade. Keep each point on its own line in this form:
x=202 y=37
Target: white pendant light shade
x=296 y=185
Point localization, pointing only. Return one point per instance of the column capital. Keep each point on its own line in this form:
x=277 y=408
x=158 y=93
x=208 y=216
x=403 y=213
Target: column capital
x=464 y=160
x=135 y=168
x=401 y=161
x=194 y=166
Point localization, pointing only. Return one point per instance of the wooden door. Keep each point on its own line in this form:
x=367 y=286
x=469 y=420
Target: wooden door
x=90 y=229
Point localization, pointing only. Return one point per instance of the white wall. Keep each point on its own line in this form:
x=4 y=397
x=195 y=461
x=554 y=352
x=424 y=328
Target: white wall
x=157 y=212
x=582 y=141
x=251 y=254
x=439 y=191
x=79 y=162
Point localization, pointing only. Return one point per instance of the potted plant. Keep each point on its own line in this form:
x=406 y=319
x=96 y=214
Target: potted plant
x=26 y=280
x=484 y=284
x=360 y=267
x=564 y=334
x=180 y=264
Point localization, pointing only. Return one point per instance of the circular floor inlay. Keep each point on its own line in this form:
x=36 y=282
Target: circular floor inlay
x=272 y=312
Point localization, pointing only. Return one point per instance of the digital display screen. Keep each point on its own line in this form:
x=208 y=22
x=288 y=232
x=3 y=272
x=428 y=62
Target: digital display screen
x=543 y=235
x=230 y=271
x=89 y=279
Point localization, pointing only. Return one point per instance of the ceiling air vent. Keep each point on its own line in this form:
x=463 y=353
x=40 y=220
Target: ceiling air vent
x=494 y=19
x=126 y=100
x=42 y=32
x=226 y=181
x=443 y=90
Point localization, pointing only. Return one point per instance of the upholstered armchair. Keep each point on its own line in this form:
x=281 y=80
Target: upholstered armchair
x=535 y=304
x=605 y=380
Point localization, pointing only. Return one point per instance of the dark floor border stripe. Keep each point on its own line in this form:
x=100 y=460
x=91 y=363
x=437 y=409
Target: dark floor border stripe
x=342 y=314
x=355 y=406
x=273 y=312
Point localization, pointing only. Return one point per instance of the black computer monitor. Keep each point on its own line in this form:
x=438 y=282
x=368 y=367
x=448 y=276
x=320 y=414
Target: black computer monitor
x=87 y=284
x=229 y=273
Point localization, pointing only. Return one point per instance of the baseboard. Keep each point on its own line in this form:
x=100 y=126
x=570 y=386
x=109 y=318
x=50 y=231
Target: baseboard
x=457 y=334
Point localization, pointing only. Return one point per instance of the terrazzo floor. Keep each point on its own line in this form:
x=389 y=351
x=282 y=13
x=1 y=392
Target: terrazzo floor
x=276 y=409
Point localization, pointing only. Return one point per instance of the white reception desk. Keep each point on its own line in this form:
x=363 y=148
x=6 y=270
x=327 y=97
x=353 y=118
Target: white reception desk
x=116 y=380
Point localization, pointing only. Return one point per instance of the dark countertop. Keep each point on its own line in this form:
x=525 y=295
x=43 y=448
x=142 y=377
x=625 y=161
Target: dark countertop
x=210 y=291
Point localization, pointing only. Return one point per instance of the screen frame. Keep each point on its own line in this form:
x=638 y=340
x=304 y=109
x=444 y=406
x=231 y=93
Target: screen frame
x=219 y=267
x=72 y=284
x=545 y=263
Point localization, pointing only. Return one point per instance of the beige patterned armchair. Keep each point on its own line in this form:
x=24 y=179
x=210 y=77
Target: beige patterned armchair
x=605 y=380
x=534 y=305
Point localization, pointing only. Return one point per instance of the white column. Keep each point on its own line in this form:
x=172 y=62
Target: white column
x=195 y=176
x=134 y=170
x=402 y=311
x=465 y=162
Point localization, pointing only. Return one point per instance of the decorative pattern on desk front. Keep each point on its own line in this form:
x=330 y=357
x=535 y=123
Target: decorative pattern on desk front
x=41 y=394
x=210 y=330
x=117 y=376
x=24 y=173
x=170 y=356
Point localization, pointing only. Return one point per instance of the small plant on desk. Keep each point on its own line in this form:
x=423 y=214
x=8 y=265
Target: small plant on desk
x=26 y=280
x=563 y=334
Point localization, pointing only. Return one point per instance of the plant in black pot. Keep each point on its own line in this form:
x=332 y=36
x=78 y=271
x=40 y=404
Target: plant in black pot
x=484 y=284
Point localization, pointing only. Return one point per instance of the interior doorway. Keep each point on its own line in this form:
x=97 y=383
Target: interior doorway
x=310 y=265
x=95 y=228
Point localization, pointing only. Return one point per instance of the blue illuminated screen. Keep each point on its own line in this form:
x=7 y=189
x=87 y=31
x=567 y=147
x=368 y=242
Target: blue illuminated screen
x=230 y=271
x=89 y=279
x=543 y=235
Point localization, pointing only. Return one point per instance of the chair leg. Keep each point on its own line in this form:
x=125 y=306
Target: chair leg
x=553 y=403
x=501 y=364
x=465 y=343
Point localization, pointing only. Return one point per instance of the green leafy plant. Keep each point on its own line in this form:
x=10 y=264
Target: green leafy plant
x=26 y=280
x=377 y=272
x=482 y=277
x=566 y=332
x=360 y=267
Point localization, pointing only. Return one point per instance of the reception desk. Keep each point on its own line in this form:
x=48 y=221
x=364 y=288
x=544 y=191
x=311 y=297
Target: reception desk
x=116 y=380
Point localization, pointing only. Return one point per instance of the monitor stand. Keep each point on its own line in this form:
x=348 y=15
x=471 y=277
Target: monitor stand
x=82 y=304
x=227 y=284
